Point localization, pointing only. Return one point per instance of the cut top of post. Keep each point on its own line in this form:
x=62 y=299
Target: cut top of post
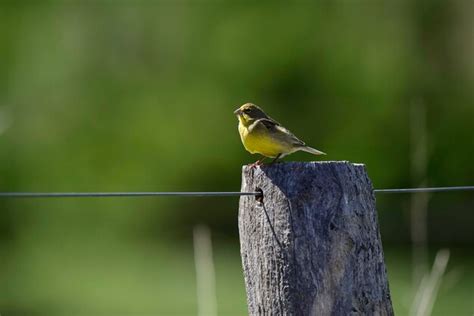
x=295 y=178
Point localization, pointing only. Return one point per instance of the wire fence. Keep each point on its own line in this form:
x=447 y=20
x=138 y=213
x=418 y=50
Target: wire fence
x=119 y=194
x=432 y=189
x=198 y=194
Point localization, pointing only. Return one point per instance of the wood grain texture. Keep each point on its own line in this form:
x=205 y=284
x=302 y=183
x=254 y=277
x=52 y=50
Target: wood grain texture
x=325 y=256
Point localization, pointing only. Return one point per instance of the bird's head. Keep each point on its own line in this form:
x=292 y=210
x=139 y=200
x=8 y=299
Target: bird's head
x=249 y=113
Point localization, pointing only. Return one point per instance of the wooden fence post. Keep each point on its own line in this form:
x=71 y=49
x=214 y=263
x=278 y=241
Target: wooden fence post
x=311 y=245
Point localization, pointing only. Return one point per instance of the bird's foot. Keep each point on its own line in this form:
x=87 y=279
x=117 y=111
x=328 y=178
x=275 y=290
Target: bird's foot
x=257 y=163
x=276 y=159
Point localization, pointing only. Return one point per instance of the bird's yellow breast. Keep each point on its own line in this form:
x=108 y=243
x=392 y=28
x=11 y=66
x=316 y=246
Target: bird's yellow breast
x=257 y=142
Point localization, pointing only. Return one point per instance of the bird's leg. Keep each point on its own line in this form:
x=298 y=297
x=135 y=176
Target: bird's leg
x=258 y=162
x=275 y=160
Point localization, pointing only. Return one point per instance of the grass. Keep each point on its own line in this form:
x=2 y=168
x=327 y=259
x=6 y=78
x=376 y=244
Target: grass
x=107 y=278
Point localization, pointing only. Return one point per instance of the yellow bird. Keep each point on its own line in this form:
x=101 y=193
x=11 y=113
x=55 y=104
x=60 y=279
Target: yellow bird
x=260 y=134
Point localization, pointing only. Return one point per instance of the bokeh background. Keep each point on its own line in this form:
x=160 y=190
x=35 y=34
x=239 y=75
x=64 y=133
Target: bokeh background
x=138 y=96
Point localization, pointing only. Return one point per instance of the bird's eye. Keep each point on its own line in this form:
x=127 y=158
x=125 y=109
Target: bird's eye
x=247 y=111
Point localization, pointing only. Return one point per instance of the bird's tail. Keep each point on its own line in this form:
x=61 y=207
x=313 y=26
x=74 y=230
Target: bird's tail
x=312 y=150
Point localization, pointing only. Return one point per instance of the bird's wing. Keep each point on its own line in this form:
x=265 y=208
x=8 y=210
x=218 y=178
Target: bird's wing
x=279 y=131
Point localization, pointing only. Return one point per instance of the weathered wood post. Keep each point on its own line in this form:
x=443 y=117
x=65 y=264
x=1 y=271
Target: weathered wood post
x=312 y=246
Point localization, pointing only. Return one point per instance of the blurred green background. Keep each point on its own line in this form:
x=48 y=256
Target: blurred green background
x=138 y=96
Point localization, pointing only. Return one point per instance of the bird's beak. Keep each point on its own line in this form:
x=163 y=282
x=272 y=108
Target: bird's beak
x=238 y=111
